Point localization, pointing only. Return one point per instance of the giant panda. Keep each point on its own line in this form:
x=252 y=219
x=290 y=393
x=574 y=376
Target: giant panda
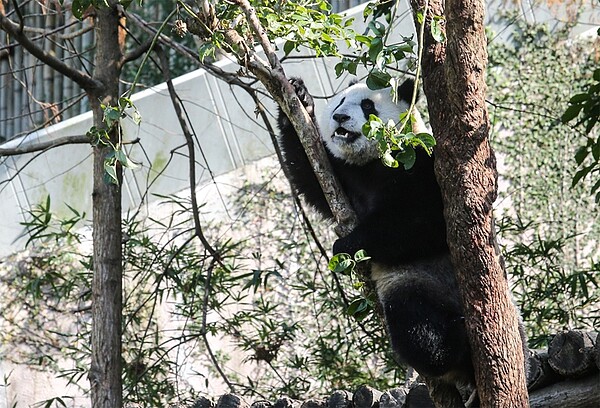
x=400 y=225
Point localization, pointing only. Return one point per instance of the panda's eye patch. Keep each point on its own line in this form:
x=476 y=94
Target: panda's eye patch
x=367 y=106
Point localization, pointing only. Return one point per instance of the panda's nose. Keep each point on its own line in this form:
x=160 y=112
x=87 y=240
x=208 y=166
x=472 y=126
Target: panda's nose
x=340 y=117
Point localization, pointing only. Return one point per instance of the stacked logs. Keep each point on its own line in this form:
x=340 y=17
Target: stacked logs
x=566 y=375
x=364 y=397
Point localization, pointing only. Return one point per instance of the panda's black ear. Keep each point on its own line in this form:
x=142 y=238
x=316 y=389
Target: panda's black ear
x=405 y=90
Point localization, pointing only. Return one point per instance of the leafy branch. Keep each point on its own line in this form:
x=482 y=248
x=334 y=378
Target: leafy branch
x=586 y=107
x=112 y=119
x=243 y=22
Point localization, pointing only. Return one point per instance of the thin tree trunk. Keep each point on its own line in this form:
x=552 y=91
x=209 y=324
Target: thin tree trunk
x=454 y=83
x=106 y=366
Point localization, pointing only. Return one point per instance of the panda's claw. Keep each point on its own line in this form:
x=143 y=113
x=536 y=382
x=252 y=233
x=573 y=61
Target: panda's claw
x=302 y=93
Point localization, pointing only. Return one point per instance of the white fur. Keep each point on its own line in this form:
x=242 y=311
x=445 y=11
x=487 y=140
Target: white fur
x=361 y=150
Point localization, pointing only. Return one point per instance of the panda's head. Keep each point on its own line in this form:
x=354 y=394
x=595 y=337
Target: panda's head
x=346 y=113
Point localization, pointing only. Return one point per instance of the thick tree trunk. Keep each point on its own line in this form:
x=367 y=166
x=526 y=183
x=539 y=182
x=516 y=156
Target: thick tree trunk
x=105 y=371
x=454 y=83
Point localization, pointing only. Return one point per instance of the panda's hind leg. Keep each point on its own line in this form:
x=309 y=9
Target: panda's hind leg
x=426 y=324
x=428 y=338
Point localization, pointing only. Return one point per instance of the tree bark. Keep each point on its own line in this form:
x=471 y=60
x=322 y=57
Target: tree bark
x=540 y=372
x=454 y=84
x=366 y=397
x=271 y=74
x=580 y=393
x=106 y=365
x=102 y=88
x=571 y=353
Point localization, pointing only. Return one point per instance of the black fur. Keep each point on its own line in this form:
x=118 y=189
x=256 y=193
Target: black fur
x=401 y=226
x=400 y=212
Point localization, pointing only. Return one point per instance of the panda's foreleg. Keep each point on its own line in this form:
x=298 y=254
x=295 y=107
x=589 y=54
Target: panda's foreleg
x=299 y=169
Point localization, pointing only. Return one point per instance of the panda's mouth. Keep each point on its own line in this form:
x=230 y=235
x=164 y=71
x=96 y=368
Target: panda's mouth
x=345 y=135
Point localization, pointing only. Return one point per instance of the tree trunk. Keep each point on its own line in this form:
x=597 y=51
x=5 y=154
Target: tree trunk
x=105 y=370
x=454 y=83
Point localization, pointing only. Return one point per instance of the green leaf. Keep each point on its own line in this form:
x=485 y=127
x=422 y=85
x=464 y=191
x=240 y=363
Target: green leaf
x=408 y=157
x=345 y=266
x=437 y=30
x=357 y=306
x=372 y=127
x=581 y=174
x=326 y=38
x=378 y=79
x=324 y=6
x=581 y=154
x=596 y=152
x=596 y=186
x=361 y=255
x=125 y=103
x=368 y=10
x=375 y=49
x=288 y=47
x=597 y=72
x=124 y=160
x=206 y=50
x=137 y=117
x=388 y=160
x=420 y=17
x=571 y=113
x=110 y=171
x=427 y=139
x=341 y=263
x=352 y=66
x=363 y=39
x=111 y=115
x=582 y=97
x=78 y=7
x=592 y=120
x=377 y=28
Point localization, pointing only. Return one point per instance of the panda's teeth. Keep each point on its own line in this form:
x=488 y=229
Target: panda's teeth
x=341 y=132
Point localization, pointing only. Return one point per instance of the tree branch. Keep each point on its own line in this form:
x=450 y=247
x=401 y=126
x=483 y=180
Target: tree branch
x=81 y=78
x=225 y=76
x=137 y=52
x=274 y=79
x=189 y=137
x=50 y=144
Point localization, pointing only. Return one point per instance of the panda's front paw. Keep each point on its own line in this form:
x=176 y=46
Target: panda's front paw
x=303 y=94
x=345 y=245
